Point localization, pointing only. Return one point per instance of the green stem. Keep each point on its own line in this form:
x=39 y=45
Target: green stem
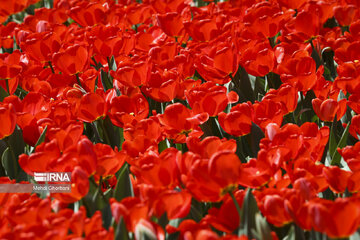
x=240 y=150
x=272 y=41
x=14 y=162
x=121 y=136
x=97 y=135
x=106 y=136
x=238 y=209
x=99 y=189
x=51 y=67
x=78 y=79
x=7 y=86
x=194 y=210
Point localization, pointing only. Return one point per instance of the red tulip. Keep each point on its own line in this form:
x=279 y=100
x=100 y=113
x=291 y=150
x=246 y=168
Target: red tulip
x=131 y=209
x=327 y=109
x=10 y=65
x=226 y=218
x=72 y=60
x=347 y=52
x=265 y=19
x=175 y=204
x=271 y=203
x=157 y=170
x=88 y=14
x=91 y=107
x=217 y=63
x=127 y=110
x=110 y=41
x=180 y=122
x=41 y=46
x=286 y=94
x=354 y=102
x=337 y=178
x=79 y=187
x=257 y=57
x=8 y=118
x=208 y=146
x=202 y=28
x=171 y=23
x=299 y=71
x=239 y=120
x=355 y=127
x=162 y=85
x=293 y=4
x=209 y=98
x=345 y=14
x=10 y=7
x=66 y=137
x=348 y=75
x=133 y=73
x=307 y=23
x=267 y=111
x=7 y=34
x=351 y=155
x=149 y=127
x=338 y=219
x=40 y=161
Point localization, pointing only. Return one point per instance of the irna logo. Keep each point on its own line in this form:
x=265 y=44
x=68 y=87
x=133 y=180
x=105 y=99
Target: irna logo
x=52 y=177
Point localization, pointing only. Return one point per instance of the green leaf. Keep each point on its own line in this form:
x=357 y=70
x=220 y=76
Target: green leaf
x=106 y=216
x=273 y=80
x=196 y=210
x=240 y=149
x=263 y=230
x=17 y=147
x=98 y=199
x=114 y=134
x=112 y=63
x=90 y=200
x=41 y=138
x=16 y=142
x=255 y=137
x=163 y=145
x=315 y=55
x=3 y=94
x=249 y=210
x=242 y=85
x=121 y=138
x=3 y=147
x=328 y=57
x=121 y=232
x=174 y=236
x=48 y=3
x=175 y=222
x=355 y=236
x=299 y=233
x=9 y=163
x=317 y=235
x=105 y=80
x=259 y=88
x=291 y=234
x=178 y=146
x=123 y=186
x=336 y=157
x=163 y=220
x=211 y=128
x=332 y=140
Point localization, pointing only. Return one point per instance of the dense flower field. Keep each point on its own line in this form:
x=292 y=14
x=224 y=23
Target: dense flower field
x=181 y=119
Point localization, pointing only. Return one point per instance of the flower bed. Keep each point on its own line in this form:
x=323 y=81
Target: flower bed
x=169 y=119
